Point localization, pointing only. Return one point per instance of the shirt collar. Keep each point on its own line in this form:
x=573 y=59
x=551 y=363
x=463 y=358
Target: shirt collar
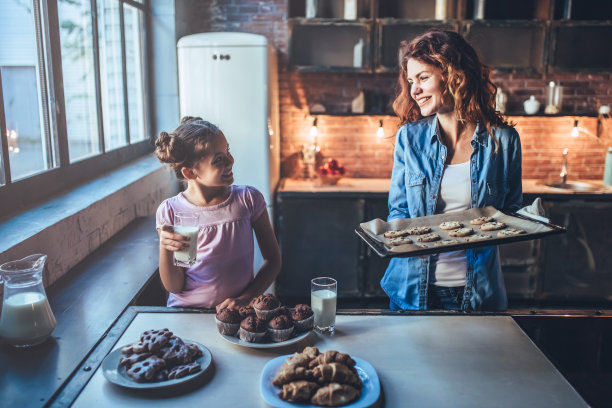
x=480 y=134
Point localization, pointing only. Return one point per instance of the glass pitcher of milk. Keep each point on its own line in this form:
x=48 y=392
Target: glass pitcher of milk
x=26 y=318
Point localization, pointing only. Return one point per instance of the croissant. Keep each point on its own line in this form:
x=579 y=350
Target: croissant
x=333 y=356
x=336 y=372
x=290 y=373
x=298 y=391
x=335 y=395
x=311 y=352
x=297 y=359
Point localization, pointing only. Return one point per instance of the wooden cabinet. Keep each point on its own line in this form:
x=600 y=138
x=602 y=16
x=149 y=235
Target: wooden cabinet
x=527 y=35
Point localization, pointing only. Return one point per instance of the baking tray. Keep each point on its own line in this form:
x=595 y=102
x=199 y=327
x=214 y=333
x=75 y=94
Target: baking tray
x=372 y=231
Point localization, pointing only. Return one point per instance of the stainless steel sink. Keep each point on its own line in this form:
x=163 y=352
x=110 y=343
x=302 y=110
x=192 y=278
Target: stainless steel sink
x=574 y=186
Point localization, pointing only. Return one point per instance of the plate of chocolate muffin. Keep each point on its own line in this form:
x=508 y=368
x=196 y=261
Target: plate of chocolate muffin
x=265 y=323
x=159 y=359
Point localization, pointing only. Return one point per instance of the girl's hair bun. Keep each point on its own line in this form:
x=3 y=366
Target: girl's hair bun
x=187 y=119
x=168 y=148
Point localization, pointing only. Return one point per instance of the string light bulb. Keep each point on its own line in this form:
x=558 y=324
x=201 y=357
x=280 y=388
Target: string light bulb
x=380 y=132
x=575 y=132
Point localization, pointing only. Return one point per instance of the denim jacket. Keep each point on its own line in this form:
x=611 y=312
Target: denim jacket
x=418 y=164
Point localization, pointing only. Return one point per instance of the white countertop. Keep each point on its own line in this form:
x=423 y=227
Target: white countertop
x=441 y=361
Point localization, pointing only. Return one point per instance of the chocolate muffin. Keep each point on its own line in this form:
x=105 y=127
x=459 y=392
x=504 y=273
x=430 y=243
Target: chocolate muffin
x=266 y=306
x=280 y=328
x=303 y=317
x=228 y=321
x=246 y=311
x=283 y=310
x=252 y=329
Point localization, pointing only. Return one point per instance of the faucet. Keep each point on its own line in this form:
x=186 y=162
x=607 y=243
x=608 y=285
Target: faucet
x=563 y=173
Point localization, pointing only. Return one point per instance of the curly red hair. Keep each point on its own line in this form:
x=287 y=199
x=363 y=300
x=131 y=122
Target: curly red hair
x=467 y=81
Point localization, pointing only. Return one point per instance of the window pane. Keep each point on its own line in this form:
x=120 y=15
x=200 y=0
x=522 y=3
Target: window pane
x=79 y=78
x=21 y=90
x=111 y=74
x=134 y=28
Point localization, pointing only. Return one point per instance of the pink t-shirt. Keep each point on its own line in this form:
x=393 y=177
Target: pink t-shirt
x=224 y=265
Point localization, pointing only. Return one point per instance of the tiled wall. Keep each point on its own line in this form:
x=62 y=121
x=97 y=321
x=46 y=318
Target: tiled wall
x=352 y=140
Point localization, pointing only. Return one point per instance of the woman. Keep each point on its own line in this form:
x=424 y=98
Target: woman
x=453 y=151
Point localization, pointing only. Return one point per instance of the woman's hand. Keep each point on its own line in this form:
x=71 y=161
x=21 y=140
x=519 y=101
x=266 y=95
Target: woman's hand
x=234 y=303
x=171 y=241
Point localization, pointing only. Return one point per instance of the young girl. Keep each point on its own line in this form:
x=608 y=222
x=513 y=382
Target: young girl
x=222 y=275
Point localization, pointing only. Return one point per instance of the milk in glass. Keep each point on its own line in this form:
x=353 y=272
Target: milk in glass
x=187 y=255
x=323 y=304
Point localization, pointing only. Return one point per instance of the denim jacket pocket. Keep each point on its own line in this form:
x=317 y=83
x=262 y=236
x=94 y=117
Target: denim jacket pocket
x=415 y=193
x=495 y=194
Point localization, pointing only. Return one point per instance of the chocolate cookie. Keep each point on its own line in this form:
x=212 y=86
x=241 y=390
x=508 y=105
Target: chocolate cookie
x=461 y=232
x=146 y=369
x=155 y=339
x=133 y=358
x=510 y=232
x=477 y=237
x=451 y=225
x=418 y=230
x=492 y=226
x=481 y=220
x=138 y=347
x=395 y=233
x=183 y=370
x=428 y=237
x=399 y=241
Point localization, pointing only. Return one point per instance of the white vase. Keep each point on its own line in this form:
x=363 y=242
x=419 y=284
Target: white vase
x=531 y=105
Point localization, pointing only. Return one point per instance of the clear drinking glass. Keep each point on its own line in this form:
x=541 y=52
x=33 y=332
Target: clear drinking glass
x=323 y=299
x=187 y=224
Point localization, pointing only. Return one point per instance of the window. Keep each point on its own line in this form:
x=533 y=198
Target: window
x=72 y=93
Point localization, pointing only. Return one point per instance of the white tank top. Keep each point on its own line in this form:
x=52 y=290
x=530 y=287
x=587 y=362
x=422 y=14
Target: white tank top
x=454 y=195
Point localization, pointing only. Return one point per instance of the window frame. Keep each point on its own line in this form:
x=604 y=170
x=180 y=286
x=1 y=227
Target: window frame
x=19 y=195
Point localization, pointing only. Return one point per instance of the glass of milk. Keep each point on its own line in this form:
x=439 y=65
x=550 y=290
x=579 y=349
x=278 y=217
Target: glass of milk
x=188 y=225
x=26 y=319
x=323 y=296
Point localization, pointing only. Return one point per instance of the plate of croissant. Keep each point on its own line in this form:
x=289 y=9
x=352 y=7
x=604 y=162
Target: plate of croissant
x=313 y=379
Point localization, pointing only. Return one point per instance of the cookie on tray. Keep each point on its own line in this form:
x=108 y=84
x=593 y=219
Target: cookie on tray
x=395 y=233
x=481 y=220
x=418 y=230
x=428 y=237
x=446 y=242
x=461 y=232
x=510 y=232
x=451 y=225
x=399 y=241
x=477 y=237
x=492 y=226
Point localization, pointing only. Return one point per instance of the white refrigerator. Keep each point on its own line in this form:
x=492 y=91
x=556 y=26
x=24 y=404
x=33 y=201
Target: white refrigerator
x=231 y=80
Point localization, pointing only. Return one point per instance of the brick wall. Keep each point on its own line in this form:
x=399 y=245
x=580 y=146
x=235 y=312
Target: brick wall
x=352 y=140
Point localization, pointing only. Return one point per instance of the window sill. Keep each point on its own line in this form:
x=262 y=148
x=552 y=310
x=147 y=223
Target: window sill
x=69 y=227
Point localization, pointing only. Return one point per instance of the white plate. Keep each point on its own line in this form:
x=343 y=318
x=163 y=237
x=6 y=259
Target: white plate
x=117 y=375
x=369 y=393
x=266 y=344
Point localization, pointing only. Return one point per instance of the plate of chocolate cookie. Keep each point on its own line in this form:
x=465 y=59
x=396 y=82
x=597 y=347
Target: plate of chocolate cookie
x=312 y=379
x=160 y=359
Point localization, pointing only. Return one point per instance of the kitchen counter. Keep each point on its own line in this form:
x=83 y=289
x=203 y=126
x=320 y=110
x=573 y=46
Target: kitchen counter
x=421 y=360
x=380 y=186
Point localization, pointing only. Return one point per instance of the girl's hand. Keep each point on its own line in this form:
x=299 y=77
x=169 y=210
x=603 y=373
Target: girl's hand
x=171 y=241
x=233 y=303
